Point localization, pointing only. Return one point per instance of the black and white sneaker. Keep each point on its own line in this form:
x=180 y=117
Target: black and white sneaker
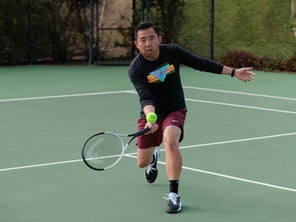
x=174 y=204
x=151 y=170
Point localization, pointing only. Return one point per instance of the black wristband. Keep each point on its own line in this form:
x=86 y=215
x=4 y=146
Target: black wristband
x=232 y=73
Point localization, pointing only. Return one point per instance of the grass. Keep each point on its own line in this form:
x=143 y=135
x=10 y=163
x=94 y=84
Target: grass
x=261 y=27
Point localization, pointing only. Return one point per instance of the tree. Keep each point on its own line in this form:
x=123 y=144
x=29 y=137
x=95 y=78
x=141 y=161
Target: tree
x=167 y=15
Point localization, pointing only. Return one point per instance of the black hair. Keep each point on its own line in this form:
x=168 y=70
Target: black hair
x=144 y=26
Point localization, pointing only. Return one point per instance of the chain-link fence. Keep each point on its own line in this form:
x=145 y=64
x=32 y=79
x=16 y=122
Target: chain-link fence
x=59 y=31
x=43 y=31
x=113 y=31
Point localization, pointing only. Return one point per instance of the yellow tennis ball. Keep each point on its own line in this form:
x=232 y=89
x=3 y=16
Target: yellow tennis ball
x=151 y=117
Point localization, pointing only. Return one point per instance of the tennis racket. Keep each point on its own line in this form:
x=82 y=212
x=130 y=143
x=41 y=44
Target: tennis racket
x=104 y=150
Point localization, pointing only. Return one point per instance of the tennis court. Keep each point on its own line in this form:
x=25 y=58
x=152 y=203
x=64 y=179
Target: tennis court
x=238 y=151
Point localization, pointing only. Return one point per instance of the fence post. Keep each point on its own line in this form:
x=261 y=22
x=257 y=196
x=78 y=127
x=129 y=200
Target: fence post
x=147 y=11
x=30 y=28
x=91 y=33
x=212 y=24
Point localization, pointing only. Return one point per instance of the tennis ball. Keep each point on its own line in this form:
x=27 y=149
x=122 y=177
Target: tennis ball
x=151 y=117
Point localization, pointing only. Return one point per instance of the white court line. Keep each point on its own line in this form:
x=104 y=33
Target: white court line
x=185 y=167
x=240 y=93
x=240 y=179
x=239 y=140
x=134 y=92
x=64 y=96
x=187 y=99
x=241 y=106
x=230 y=177
x=39 y=165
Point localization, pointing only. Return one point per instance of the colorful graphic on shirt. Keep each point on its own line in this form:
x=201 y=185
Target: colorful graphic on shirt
x=160 y=74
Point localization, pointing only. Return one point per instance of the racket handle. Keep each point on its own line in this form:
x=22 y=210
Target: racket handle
x=143 y=131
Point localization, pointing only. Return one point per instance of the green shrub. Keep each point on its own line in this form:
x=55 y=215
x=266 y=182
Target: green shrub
x=245 y=59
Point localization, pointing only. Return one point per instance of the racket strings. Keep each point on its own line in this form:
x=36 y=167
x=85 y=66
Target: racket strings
x=103 y=150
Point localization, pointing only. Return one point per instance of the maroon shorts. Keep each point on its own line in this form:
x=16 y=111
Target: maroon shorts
x=176 y=118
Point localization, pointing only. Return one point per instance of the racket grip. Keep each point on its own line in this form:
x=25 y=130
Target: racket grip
x=143 y=131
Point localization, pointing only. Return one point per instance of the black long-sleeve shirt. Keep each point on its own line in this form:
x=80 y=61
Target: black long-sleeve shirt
x=158 y=82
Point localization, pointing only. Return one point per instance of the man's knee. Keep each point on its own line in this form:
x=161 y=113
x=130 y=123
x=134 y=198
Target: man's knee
x=171 y=137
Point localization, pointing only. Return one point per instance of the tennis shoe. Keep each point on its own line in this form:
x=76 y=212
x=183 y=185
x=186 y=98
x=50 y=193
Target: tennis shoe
x=151 y=170
x=174 y=204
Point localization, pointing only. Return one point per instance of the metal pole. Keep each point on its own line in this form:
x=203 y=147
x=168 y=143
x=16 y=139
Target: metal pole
x=212 y=26
x=30 y=27
x=142 y=11
x=91 y=33
x=133 y=49
x=97 y=31
x=147 y=10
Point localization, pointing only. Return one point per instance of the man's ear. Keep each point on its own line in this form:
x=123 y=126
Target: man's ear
x=136 y=43
x=159 y=39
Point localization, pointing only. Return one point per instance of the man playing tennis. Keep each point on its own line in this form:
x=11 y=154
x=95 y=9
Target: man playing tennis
x=155 y=74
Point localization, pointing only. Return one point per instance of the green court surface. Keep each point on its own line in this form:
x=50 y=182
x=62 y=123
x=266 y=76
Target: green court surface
x=238 y=152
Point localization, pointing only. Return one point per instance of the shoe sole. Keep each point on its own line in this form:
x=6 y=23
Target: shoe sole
x=174 y=212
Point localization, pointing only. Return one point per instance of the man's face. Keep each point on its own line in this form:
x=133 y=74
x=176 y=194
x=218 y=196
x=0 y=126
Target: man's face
x=148 y=43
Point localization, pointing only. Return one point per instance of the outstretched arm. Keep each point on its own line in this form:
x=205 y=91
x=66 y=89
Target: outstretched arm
x=243 y=74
